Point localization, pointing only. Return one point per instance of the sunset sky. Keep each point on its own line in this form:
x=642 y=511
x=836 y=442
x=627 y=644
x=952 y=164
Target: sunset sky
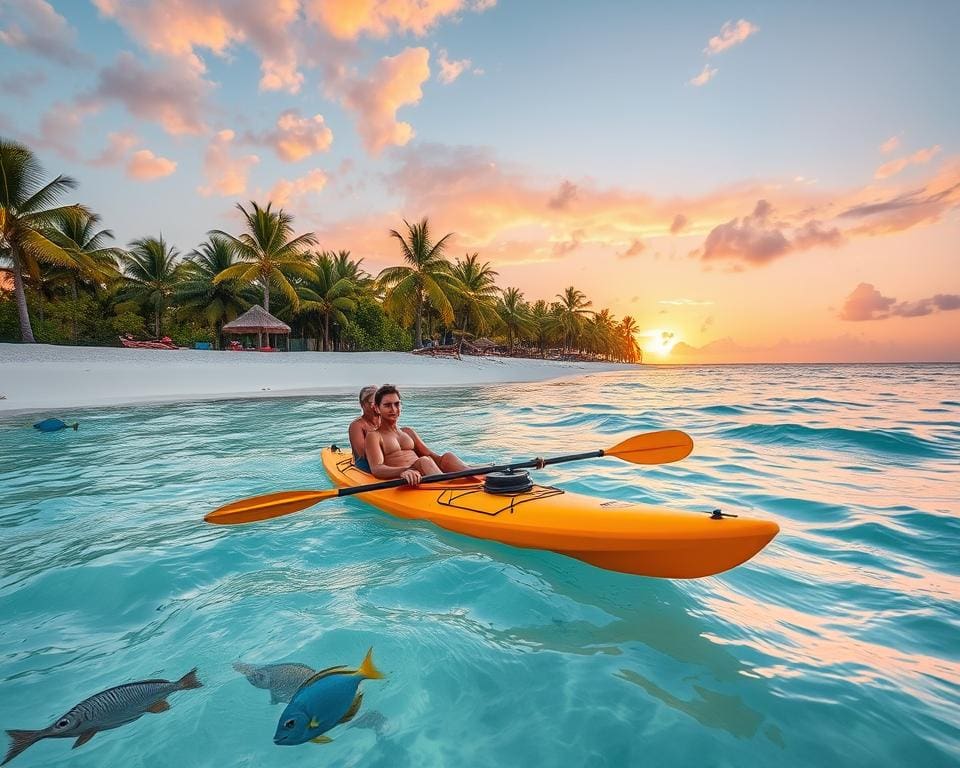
x=753 y=181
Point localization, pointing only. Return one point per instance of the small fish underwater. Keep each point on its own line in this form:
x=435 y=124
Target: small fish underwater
x=55 y=425
x=327 y=699
x=108 y=709
x=282 y=680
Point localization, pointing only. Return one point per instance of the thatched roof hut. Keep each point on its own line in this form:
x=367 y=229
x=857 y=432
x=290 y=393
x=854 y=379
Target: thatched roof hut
x=257 y=320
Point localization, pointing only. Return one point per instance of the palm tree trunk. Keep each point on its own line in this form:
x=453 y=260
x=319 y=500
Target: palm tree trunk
x=156 y=321
x=26 y=332
x=73 y=315
x=326 y=333
x=266 y=295
x=418 y=332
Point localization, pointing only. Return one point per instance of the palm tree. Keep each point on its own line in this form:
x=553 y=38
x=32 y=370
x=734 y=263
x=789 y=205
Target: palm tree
x=602 y=335
x=268 y=253
x=627 y=330
x=152 y=274
x=514 y=315
x=476 y=299
x=574 y=305
x=541 y=324
x=94 y=262
x=328 y=293
x=26 y=221
x=218 y=302
x=427 y=279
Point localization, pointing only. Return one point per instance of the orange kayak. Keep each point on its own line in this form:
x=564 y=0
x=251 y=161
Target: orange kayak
x=616 y=535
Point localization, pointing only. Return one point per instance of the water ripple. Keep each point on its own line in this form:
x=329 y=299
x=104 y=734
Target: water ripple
x=846 y=624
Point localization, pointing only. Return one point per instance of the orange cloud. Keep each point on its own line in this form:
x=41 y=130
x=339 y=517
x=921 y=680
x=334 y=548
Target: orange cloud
x=505 y=211
x=730 y=35
x=296 y=137
x=226 y=175
x=705 y=76
x=348 y=19
x=146 y=166
x=450 y=70
x=286 y=191
x=396 y=81
x=895 y=210
x=636 y=248
x=840 y=349
x=890 y=144
x=178 y=28
x=173 y=95
x=920 y=157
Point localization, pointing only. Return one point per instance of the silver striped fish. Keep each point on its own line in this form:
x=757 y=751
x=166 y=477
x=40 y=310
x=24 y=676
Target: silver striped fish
x=282 y=680
x=108 y=709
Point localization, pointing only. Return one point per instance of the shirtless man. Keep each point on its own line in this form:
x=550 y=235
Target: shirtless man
x=368 y=422
x=395 y=451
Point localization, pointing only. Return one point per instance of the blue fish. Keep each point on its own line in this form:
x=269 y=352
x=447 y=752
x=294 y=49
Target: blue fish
x=327 y=699
x=54 y=425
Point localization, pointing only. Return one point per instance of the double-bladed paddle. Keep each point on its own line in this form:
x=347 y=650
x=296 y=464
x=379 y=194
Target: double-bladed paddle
x=660 y=447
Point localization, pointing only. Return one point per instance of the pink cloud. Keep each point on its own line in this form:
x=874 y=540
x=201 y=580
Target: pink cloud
x=173 y=95
x=296 y=137
x=753 y=239
x=180 y=28
x=758 y=239
x=349 y=19
x=450 y=70
x=867 y=303
x=226 y=175
x=502 y=209
x=678 y=224
x=395 y=82
x=119 y=144
x=840 y=349
x=38 y=28
x=146 y=166
x=636 y=248
x=705 y=76
x=890 y=144
x=730 y=35
x=60 y=126
x=286 y=191
x=920 y=157
x=896 y=210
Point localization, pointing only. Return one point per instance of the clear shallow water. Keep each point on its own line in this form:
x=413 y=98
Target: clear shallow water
x=837 y=645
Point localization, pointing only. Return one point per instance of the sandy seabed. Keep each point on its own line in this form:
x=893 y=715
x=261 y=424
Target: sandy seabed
x=40 y=377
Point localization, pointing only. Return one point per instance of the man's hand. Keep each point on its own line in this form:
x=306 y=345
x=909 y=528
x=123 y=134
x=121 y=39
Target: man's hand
x=412 y=477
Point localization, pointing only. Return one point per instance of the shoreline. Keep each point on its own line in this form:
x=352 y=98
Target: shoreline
x=41 y=377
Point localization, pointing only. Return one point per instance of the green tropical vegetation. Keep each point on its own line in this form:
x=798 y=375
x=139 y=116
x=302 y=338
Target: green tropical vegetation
x=64 y=281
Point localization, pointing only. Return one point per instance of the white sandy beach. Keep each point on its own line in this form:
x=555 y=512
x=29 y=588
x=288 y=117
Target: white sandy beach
x=40 y=377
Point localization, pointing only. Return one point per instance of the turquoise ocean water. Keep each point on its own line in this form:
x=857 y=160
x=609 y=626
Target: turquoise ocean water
x=837 y=645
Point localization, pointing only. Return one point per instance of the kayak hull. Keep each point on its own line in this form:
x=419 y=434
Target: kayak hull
x=615 y=535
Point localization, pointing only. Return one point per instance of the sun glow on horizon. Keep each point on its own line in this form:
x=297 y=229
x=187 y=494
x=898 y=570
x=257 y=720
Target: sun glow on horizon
x=658 y=341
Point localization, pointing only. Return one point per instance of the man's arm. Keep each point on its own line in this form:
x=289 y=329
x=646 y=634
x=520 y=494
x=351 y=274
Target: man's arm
x=421 y=448
x=374 y=450
x=357 y=439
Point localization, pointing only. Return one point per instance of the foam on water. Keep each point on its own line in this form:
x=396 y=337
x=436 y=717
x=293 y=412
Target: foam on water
x=837 y=645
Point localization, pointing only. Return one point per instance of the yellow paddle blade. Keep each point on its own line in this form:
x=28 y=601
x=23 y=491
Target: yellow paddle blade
x=264 y=507
x=653 y=447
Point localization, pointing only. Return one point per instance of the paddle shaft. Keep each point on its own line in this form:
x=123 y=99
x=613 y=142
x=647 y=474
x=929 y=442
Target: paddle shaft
x=532 y=463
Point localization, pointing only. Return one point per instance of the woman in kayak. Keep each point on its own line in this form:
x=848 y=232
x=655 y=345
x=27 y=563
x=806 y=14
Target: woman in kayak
x=393 y=451
x=359 y=428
